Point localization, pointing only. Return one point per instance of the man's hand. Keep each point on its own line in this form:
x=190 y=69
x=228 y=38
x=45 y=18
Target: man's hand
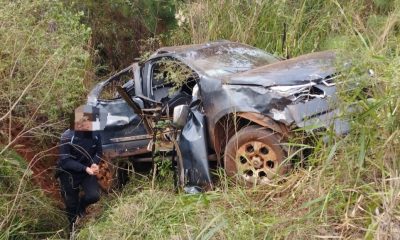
x=89 y=171
x=95 y=168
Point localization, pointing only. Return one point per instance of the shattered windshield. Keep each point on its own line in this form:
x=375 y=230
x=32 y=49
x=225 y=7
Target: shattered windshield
x=222 y=60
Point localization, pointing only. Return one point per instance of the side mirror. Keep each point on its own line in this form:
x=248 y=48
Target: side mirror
x=180 y=116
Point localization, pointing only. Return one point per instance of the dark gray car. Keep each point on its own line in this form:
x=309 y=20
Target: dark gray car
x=236 y=104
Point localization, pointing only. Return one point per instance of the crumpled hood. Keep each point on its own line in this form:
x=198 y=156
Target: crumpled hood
x=295 y=71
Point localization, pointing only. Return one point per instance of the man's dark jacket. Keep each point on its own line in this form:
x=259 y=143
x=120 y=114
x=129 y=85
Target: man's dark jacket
x=79 y=150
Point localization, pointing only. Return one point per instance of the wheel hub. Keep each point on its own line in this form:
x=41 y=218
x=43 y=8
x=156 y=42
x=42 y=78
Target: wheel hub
x=257 y=162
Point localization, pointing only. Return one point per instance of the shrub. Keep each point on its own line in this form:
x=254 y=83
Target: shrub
x=43 y=62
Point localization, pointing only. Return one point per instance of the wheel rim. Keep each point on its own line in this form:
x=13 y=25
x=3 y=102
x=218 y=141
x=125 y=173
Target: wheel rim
x=257 y=162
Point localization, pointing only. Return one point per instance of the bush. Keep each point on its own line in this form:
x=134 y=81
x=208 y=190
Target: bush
x=121 y=28
x=43 y=62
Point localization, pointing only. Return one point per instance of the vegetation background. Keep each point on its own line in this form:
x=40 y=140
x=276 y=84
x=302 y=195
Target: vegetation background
x=53 y=51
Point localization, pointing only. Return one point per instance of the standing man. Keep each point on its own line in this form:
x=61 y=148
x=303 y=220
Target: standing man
x=80 y=154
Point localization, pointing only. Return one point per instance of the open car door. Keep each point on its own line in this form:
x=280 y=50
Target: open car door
x=125 y=133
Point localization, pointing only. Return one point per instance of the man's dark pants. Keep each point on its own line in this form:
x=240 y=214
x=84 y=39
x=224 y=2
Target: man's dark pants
x=70 y=184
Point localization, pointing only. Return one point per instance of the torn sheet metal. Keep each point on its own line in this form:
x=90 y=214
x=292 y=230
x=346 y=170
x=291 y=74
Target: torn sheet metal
x=193 y=146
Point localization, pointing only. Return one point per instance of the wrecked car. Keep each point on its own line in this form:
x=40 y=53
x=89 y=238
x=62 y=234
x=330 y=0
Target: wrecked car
x=232 y=103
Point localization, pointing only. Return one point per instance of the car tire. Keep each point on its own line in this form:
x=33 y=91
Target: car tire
x=254 y=154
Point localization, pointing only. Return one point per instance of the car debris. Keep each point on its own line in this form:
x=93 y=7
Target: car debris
x=231 y=103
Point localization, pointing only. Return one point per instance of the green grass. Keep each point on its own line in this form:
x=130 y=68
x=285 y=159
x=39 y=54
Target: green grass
x=318 y=201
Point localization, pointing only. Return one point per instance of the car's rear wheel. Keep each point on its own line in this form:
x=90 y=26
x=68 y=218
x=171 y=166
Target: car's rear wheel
x=254 y=155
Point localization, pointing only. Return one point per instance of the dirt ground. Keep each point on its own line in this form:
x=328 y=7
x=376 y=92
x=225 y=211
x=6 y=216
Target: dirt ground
x=42 y=162
x=42 y=167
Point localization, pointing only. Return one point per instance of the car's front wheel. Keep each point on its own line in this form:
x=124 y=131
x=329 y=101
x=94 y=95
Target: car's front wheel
x=255 y=155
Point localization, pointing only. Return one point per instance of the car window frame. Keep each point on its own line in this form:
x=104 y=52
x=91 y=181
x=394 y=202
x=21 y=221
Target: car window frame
x=115 y=77
x=148 y=70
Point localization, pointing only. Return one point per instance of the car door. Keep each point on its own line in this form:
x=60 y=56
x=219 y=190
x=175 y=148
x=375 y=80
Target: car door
x=124 y=133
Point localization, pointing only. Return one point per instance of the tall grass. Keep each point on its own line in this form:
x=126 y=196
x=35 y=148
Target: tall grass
x=43 y=61
x=350 y=188
x=42 y=78
x=25 y=211
x=284 y=27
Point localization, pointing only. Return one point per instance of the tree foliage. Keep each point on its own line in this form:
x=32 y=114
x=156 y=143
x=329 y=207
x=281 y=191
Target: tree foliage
x=120 y=29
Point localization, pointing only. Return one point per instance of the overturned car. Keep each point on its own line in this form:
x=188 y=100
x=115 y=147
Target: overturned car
x=231 y=103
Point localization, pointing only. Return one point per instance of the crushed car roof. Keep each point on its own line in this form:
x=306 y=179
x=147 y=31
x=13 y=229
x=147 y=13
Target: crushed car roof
x=241 y=64
x=221 y=58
